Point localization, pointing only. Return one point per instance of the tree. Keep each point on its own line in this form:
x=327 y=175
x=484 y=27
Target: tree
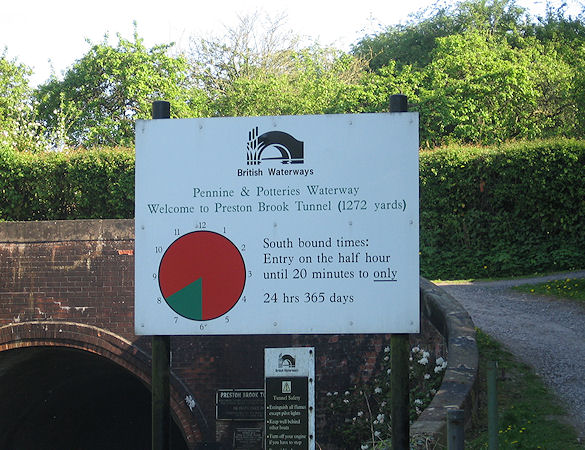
x=18 y=128
x=110 y=87
x=257 y=44
x=259 y=68
x=480 y=89
x=318 y=81
x=413 y=43
x=481 y=71
x=556 y=27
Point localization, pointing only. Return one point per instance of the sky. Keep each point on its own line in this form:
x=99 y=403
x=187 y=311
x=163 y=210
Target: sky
x=50 y=36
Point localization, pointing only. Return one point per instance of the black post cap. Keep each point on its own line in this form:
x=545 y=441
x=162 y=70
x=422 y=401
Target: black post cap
x=161 y=110
x=398 y=103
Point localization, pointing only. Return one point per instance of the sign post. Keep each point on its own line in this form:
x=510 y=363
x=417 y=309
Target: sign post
x=161 y=350
x=399 y=343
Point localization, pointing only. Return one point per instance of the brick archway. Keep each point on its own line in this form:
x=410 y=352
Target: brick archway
x=114 y=348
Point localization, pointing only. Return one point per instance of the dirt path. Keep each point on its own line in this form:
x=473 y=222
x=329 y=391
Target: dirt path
x=548 y=334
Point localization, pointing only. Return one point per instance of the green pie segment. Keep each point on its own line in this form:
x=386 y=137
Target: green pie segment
x=202 y=275
x=188 y=301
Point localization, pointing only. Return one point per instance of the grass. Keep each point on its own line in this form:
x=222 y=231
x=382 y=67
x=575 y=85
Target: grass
x=511 y=277
x=530 y=416
x=567 y=288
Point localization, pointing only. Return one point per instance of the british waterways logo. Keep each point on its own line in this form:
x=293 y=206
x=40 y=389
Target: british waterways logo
x=286 y=361
x=273 y=145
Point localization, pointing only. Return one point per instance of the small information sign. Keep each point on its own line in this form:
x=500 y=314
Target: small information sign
x=248 y=439
x=290 y=398
x=287 y=414
x=240 y=404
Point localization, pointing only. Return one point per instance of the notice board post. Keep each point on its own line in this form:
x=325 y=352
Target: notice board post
x=400 y=353
x=161 y=350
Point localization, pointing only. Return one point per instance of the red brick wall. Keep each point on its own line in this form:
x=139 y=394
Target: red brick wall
x=82 y=272
x=87 y=282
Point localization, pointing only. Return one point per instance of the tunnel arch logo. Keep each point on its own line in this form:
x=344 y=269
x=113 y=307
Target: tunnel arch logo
x=274 y=146
x=286 y=361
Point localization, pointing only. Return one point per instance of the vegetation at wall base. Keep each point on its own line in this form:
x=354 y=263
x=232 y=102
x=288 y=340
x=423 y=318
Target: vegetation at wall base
x=529 y=415
x=360 y=417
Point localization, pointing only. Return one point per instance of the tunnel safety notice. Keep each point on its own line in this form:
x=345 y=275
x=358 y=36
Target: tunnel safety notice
x=293 y=224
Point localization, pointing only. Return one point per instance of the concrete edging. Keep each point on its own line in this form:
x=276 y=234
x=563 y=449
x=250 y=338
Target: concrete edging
x=458 y=389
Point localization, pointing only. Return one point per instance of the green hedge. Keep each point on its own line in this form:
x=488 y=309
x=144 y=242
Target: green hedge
x=507 y=211
x=67 y=185
x=485 y=212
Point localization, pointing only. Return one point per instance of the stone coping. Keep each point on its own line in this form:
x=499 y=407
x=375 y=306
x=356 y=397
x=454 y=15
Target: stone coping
x=67 y=230
x=458 y=389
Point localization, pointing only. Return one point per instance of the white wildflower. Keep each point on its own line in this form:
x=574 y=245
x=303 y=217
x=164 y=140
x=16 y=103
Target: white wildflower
x=380 y=418
x=378 y=390
x=415 y=349
x=346 y=393
x=424 y=361
x=427 y=376
x=377 y=434
x=190 y=402
x=386 y=349
x=418 y=402
x=360 y=413
x=365 y=447
x=440 y=368
x=440 y=360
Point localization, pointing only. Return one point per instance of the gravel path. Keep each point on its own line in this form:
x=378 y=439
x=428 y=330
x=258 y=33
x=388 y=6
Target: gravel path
x=547 y=334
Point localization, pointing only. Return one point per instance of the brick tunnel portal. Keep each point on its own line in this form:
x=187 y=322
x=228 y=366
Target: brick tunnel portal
x=59 y=397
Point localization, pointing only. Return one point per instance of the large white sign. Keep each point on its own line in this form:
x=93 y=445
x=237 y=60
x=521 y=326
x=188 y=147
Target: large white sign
x=292 y=224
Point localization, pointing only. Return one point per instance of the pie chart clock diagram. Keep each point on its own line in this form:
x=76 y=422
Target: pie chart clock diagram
x=202 y=275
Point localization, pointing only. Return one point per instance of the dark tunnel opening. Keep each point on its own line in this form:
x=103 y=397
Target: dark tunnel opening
x=60 y=398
